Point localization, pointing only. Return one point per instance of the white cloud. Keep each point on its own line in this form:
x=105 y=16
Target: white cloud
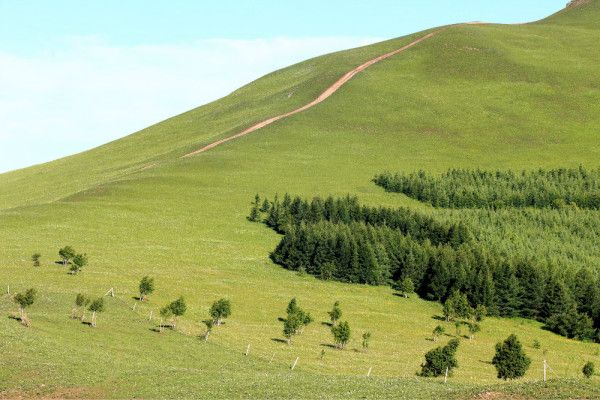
x=89 y=92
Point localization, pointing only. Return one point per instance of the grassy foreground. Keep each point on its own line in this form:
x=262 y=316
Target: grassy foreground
x=473 y=96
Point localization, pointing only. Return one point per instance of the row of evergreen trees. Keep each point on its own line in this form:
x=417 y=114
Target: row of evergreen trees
x=461 y=188
x=368 y=250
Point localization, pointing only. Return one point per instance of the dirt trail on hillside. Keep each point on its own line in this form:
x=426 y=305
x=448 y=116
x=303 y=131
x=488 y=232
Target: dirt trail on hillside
x=323 y=96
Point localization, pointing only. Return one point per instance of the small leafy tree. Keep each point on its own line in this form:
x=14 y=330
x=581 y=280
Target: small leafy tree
x=437 y=332
x=440 y=359
x=510 y=360
x=66 y=254
x=297 y=319
x=79 y=261
x=536 y=344
x=291 y=325
x=473 y=329
x=96 y=306
x=178 y=308
x=35 y=259
x=366 y=338
x=146 y=287
x=336 y=313
x=81 y=302
x=209 y=326
x=406 y=287
x=172 y=311
x=25 y=300
x=220 y=310
x=588 y=369
x=341 y=334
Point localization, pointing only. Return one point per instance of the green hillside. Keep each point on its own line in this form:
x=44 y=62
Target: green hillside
x=486 y=96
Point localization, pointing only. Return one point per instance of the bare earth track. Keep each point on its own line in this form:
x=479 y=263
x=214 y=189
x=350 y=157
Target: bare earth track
x=323 y=96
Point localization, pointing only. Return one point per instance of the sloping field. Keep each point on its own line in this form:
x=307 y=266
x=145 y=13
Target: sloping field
x=488 y=96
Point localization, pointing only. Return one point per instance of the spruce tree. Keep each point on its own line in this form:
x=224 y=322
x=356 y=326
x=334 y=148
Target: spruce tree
x=510 y=360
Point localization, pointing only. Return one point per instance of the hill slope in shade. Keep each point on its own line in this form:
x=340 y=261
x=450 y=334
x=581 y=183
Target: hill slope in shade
x=489 y=96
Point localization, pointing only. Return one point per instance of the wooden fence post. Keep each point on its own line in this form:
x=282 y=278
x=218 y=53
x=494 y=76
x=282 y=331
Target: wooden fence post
x=295 y=362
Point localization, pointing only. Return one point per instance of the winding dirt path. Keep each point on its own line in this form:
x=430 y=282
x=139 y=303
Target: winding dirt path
x=323 y=96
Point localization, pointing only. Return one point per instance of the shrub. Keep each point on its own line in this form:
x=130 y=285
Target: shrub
x=440 y=358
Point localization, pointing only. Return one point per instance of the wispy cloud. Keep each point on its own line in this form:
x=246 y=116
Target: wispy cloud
x=89 y=92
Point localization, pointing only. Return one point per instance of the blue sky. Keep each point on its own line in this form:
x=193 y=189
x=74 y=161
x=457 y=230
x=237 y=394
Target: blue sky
x=76 y=74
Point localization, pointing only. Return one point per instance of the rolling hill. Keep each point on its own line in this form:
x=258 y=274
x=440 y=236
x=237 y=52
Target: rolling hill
x=473 y=96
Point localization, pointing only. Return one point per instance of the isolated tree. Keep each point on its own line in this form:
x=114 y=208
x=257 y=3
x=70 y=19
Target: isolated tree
x=146 y=287
x=25 y=300
x=336 y=313
x=96 y=306
x=440 y=359
x=291 y=325
x=588 y=369
x=510 y=360
x=79 y=261
x=66 y=254
x=220 y=310
x=81 y=302
x=406 y=287
x=473 y=329
x=209 y=326
x=341 y=334
x=437 y=332
x=35 y=259
x=178 y=308
x=366 y=338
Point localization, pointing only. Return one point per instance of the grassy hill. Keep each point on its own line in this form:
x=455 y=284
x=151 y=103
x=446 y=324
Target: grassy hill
x=489 y=96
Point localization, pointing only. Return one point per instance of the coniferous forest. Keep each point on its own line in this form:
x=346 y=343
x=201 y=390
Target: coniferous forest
x=487 y=255
x=459 y=188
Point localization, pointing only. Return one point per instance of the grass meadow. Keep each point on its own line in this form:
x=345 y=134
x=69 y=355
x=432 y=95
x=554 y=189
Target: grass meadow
x=483 y=96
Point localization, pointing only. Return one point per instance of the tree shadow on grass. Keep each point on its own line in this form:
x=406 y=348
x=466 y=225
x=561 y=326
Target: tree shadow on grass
x=331 y=346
